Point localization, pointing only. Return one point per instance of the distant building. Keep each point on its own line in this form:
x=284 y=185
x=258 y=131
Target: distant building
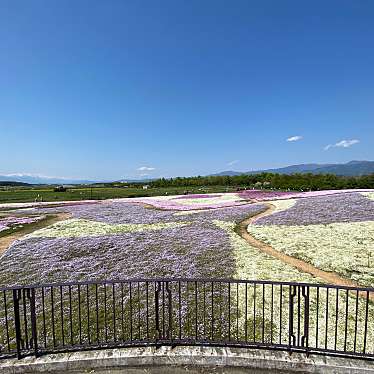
x=145 y=187
x=59 y=189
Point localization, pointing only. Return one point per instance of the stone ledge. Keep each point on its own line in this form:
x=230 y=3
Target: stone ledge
x=183 y=359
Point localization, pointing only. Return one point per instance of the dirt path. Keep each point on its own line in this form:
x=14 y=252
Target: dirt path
x=6 y=241
x=328 y=277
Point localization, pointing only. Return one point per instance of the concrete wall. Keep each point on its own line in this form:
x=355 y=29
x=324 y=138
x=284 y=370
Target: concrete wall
x=185 y=359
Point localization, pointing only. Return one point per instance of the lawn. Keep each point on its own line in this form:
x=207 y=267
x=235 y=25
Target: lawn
x=20 y=195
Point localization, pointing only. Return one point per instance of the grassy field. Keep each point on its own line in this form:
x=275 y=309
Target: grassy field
x=19 y=195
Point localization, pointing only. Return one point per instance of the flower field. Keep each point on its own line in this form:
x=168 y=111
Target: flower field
x=263 y=195
x=13 y=222
x=189 y=202
x=113 y=240
x=177 y=236
x=345 y=207
x=370 y=195
x=333 y=233
x=196 y=236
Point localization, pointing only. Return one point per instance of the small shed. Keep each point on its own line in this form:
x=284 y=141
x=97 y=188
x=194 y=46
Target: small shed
x=59 y=189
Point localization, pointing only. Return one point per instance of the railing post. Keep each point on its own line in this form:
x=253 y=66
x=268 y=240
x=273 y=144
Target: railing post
x=305 y=337
x=170 y=311
x=33 y=322
x=17 y=322
x=291 y=335
x=157 y=315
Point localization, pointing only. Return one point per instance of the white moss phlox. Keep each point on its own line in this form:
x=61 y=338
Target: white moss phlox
x=370 y=195
x=80 y=227
x=226 y=197
x=251 y=263
x=188 y=212
x=346 y=248
x=281 y=205
x=254 y=264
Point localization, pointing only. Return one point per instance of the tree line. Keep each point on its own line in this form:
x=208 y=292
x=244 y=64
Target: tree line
x=295 y=182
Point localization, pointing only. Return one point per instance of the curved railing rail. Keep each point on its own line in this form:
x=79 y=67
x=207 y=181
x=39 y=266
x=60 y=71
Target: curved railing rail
x=289 y=316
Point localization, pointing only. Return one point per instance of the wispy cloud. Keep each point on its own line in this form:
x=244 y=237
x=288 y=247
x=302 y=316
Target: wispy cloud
x=294 y=138
x=232 y=162
x=146 y=168
x=342 y=144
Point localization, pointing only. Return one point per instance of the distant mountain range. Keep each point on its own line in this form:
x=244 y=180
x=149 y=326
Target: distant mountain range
x=147 y=180
x=352 y=168
x=39 y=179
x=29 y=179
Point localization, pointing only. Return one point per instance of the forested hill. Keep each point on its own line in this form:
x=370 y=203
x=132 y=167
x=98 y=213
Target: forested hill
x=269 y=180
x=352 y=168
x=14 y=184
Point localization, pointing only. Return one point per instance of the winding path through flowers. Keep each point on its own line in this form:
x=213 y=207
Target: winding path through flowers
x=329 y=277
x=273 y=239
x=8 y=240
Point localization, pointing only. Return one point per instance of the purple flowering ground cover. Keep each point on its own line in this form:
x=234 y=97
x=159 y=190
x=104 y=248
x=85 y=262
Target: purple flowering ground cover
x=119 y=212
x=181 y=252
x=345 y=207
x=199 y=249
x=266 y=195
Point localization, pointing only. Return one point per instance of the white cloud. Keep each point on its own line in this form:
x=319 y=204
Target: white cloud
x=294 y=138
x=232 y=162
x=342 y=144
x=146 y=168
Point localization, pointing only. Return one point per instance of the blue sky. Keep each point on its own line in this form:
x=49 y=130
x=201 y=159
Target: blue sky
x=111 y=89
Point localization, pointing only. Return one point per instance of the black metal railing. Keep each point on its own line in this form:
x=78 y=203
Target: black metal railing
x=274 y=315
